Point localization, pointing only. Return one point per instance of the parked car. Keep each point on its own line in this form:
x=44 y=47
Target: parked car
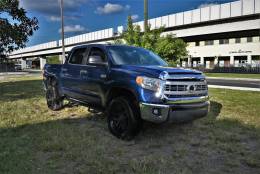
x=18 y=67
x=130 y=84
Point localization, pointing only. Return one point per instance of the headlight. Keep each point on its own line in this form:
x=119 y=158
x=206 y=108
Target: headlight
x=149 y=83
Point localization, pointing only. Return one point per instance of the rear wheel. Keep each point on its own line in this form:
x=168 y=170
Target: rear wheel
x=123 y=118
x=54 y=101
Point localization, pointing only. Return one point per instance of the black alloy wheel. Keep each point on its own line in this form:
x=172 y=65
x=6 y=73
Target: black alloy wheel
x=123 y=118
x=54 y=101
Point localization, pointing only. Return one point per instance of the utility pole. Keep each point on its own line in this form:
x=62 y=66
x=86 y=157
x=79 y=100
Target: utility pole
x=145 y=15
x=62 y=30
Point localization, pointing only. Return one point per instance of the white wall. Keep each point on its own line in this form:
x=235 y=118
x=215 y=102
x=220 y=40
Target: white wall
x=241 y=49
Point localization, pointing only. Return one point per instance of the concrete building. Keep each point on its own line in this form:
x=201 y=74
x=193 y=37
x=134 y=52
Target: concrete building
x=219 y=35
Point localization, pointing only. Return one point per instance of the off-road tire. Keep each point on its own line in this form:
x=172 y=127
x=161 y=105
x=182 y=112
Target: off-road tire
x=54 y=100
x=123 y=118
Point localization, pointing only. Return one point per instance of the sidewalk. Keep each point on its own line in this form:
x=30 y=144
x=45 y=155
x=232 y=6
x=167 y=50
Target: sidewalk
x=13 y=73
x=229 y=78
x=234 y=88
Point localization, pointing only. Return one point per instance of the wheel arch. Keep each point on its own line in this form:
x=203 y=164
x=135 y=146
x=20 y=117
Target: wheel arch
x=120 y=91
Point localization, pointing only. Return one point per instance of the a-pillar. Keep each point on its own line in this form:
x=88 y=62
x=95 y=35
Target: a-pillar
x=232 y=60
x=23 y=64
x=202 y=61
x=42 y=62
x=249 y=59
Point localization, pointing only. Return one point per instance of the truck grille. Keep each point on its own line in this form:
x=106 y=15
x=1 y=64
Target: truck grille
x=178 y=89
x=184 y=87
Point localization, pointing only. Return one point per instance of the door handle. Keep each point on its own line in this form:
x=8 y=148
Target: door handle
x=64 y=69
x=83 y=72
x=103 y=76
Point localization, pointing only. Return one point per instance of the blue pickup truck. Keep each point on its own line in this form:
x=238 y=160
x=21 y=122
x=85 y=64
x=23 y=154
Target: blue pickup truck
x=129 y=84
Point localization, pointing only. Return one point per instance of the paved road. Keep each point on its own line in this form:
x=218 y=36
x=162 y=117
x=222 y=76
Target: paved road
x=236 y=83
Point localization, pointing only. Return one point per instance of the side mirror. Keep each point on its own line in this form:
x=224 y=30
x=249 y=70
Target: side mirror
x=96 y=60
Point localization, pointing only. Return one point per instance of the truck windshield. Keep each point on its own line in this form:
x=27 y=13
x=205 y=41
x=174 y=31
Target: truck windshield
x=126 y=55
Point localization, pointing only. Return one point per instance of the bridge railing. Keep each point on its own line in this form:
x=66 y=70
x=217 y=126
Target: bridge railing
x=42 y=46
x=88 y=37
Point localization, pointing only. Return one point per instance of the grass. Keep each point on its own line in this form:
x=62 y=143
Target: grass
x=34 y=139
x=233 y=75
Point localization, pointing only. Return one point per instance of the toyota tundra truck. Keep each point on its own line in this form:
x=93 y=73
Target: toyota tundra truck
x=129 y=84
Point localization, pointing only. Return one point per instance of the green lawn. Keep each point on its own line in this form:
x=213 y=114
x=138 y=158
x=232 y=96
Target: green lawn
x=34 y=139
x=233 y=75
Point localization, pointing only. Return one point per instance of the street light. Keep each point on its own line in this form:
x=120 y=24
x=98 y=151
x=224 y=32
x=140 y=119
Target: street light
x=145 y=15
x=62 y=30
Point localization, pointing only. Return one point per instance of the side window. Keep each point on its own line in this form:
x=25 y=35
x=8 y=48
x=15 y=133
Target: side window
x=77 y=56
x=96 y=53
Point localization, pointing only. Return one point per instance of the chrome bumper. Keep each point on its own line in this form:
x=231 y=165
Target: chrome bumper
x=176 y=111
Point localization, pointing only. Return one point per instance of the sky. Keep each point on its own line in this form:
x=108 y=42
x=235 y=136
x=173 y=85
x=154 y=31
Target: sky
x=82 y=16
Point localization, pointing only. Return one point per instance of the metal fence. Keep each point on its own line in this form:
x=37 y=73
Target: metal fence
x=243 y=70
x=7 y=67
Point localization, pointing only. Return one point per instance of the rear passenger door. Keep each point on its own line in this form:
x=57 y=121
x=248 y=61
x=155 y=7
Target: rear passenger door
x=70 y=74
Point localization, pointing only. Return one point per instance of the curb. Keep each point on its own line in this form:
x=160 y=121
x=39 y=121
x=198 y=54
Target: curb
x=228 y=78
x=14 y=73
x=235 y=88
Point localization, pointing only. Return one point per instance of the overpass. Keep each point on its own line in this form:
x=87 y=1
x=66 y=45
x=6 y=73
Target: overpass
x=238 y=19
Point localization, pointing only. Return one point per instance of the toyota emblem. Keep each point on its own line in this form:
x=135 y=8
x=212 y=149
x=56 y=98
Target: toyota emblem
x=191 y=88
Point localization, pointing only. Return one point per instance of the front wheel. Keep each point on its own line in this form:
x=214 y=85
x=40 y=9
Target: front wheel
x=123 y=118
x=54 y=101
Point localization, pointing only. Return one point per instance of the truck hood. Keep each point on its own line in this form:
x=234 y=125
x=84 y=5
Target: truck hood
x=155 y=71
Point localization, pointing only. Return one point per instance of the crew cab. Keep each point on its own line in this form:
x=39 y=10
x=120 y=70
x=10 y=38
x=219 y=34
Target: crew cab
x=129 y=84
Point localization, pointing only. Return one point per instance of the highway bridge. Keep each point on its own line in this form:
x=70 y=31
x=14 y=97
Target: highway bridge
x=238 y=19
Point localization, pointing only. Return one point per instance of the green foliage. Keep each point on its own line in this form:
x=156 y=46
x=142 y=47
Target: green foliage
x=171 y=48
x=168 y=47
x=53 y=60
x=132 y=34
x=16 y=27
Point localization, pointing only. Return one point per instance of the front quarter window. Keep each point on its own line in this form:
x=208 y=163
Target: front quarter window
x=126 y=55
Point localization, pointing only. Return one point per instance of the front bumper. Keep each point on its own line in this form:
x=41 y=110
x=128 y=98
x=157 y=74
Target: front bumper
x=175 y=112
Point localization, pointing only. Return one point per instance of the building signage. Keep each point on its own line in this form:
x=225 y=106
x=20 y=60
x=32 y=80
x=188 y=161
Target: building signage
x=239 y=51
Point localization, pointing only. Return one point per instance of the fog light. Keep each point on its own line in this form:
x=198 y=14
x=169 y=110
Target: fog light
x=156 y=111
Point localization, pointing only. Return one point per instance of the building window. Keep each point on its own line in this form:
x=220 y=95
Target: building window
x=224 y=41
x=209 y=42
x=197 y=43
x=238 y=40
x=249 y=39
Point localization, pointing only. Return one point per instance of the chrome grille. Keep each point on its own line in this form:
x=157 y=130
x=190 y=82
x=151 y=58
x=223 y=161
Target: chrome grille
x=184 y=87
x=177 y=89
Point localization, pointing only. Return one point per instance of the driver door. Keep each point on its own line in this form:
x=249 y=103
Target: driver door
x=96 y=66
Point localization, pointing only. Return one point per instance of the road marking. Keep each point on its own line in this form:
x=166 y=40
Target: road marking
x=234 y=88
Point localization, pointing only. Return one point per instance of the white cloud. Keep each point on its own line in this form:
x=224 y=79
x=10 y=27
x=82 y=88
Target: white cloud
x=73 y=28
x=134 y=17
x=51 y=7
x=206 y=5
x=54 y=18
x=110 y=8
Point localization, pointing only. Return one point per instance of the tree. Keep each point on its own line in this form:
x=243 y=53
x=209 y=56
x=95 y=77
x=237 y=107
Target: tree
x=132 y=33
x=168 y=47
x=15 y=26
x=171 y=48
